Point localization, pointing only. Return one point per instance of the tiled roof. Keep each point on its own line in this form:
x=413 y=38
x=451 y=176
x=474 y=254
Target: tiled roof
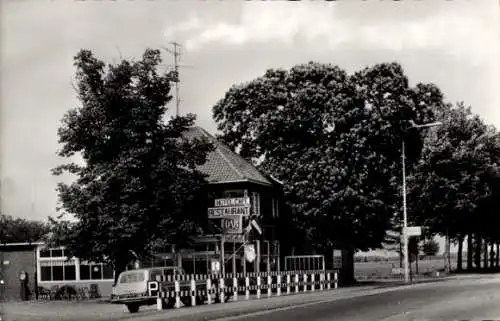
x=223 y=165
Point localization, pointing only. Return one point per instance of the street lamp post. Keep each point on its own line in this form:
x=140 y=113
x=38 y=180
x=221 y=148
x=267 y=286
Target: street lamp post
x=405 y=216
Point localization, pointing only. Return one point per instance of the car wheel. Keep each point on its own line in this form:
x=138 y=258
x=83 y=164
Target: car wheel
x=133 y=307
x=168 y=304
x=186 y=301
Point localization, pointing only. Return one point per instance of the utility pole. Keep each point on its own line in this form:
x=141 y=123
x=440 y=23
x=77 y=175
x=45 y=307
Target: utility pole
x=405 y=215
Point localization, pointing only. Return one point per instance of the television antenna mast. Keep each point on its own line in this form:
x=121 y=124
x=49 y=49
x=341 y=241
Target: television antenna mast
x=176 y=52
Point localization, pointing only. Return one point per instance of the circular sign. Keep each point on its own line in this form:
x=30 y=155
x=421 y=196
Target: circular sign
x=22 y=276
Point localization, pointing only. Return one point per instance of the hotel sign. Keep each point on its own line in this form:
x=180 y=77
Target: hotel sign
x=224 y=202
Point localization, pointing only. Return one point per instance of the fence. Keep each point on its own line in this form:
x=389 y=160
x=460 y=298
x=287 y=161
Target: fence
x=192 y=287
x=304 y=262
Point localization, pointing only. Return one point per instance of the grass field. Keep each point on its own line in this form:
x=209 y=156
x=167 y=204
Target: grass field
x=382 y=269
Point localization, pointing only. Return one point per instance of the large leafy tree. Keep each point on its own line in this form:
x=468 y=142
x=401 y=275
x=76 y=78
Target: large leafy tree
x=455 y=185
x=16 y=230
x=136 y=188
x=334 y=140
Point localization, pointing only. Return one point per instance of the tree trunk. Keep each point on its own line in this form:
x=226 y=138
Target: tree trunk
x=410 y=269
x=492 y=256
x=470 y=251
x=477 y=252
x=498 y=255
x=346 y=276
x=118 y=267
x=485 y=253
x=447 y=266
x=400 y=254
x=459 y=254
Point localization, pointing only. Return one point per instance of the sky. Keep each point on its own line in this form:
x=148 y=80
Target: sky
x=454 y=44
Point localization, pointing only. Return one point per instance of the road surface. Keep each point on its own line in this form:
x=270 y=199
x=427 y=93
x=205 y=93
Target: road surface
x=460 y=299
x=452 y=300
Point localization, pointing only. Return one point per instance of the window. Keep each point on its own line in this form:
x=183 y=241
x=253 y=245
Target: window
x=95 y=271
x=57 y=253
x=256 y=203
x=275 y=208
x=84 y=272
x=46 y=273
x=60 y=270
x=57 y=273
x=131 y=277
x=70 y=272
x=107 y=272
x=44 y=253
x=54 y=266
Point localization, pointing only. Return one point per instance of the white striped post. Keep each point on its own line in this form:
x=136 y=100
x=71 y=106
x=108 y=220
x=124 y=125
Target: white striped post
x=328 y=281
x=335 y=280
x=193 y=291
x=296 y=283
x=305 y=283
x=177 y=297
x=221 y=288
x=258 y=286
x=321 y=281
x=235 y=288
x=247 y=288
x=288 y=284
x=269 y=283
x=209 y=290
x=313 y=286
x=159 y=304
x=278 y=280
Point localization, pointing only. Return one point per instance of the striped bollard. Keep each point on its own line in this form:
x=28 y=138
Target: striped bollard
x=193 y=291
x=288 y=283
x=328 y=281
x=177 y=294
x=258 y=286
x=235 y=288
x=269 y=283
x=296 y=283
x=335 y=280
x=321 y=281
x=209 y=290
x=313 y=286
x=221 y=288
x=278 y=280
x=159 y=304
x=247 y=288
x=305 y=283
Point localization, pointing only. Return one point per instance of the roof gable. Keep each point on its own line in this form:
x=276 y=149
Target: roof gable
x=223 y=165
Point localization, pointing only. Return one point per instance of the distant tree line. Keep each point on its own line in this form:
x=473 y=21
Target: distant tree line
x=19 y=230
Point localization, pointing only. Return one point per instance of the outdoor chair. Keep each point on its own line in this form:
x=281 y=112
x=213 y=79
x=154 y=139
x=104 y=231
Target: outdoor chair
x=53 y=292
x=83 y=293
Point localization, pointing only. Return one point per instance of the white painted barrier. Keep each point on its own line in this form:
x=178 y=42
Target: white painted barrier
x=202 y=285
